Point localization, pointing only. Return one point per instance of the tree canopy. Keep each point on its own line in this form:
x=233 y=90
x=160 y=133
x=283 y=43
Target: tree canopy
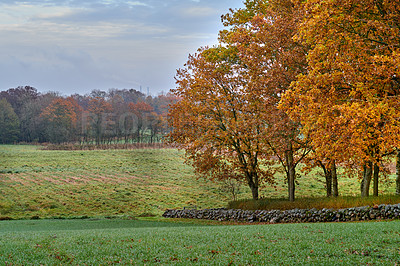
x=348 y=101
x=320 y=75
x=217 y=120
x=240 y=83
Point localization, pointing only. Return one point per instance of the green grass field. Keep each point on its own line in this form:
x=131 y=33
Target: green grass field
x=123 y=184
x=105 y=242
x=35 y=182
x=100 y=183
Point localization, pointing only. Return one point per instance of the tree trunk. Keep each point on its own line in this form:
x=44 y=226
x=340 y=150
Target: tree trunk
x=334 y=180
x=366 y=181
x=292 y=185
x=291 y=173
x=376 y=179
x=328 y=180
x=254 y=192
x=398 y=172
x=254 y=188
x=252 y=181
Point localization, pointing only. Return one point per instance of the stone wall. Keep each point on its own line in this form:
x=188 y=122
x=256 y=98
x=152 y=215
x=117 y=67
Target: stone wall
x=366 y=213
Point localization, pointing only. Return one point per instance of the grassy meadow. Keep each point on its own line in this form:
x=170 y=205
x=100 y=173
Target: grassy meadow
x=109 y=183
x=43 y=183
x=111 y=194
x=108 y=242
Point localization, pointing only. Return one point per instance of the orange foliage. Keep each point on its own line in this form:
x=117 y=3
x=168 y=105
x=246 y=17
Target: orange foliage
x=140 y=107
x=61 y=111
x=289 y=73
x=263 y=36
x=218 y=121
x=348 y=102
x=99 y=106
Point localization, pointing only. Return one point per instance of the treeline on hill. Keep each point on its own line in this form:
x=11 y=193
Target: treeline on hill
x=116 y=116
x=313 y=82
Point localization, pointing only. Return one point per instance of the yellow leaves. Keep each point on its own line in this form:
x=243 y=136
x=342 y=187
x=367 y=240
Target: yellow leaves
x=348 y=102
x=345 y=95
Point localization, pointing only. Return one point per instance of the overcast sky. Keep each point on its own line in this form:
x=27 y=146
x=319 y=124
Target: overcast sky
x=75 y=46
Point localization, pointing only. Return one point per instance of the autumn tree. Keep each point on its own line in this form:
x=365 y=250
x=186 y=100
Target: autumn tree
x=98 y=118
x=262 y=33
x=61 y=120
x=9 y=123
x=155 y=124
x=141 y=111
x=219 y=121
x=257 y=61
x=348 y=101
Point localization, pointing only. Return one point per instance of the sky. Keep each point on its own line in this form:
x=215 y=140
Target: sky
x=76 y=46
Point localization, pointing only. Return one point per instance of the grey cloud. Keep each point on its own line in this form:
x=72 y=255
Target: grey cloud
x=101 y=44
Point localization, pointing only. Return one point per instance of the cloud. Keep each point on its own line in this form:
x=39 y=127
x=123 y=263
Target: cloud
x=26 y=13
x=80 y=45
x=198 y=11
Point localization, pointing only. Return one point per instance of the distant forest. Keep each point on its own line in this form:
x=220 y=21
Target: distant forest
x=100 y=117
